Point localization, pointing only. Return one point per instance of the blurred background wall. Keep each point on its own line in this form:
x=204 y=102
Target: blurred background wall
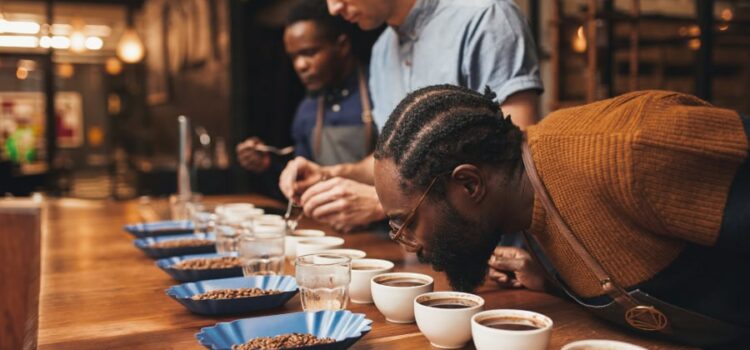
x=117 y=73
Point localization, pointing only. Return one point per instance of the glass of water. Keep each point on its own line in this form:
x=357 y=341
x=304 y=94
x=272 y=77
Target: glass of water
x=231 y=226
x=203 y=218
x=179 y=206
x=323 y=281
x=262 y=251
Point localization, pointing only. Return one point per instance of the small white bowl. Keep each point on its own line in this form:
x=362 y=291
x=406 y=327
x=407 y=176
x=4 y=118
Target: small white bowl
x=488 y=338
x=397 y=303
x=360 y=291
x=270 y=219
x=601 y=344
x=352 y=253
x=309 y=245
x=290 y=241
x=446 y=328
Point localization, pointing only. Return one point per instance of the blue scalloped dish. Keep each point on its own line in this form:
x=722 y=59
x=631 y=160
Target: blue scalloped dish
x=183 y=293
x=343 y=325
x=160 y=228
x=144 y=244
x=193 y=275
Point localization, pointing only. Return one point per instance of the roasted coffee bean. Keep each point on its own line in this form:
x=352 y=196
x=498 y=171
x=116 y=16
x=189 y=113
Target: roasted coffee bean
x=234 y=293
x=225 y=262
x=182 y=243
x=284 y=341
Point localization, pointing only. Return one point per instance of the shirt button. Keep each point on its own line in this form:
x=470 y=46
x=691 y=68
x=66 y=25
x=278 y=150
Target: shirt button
x=345 y=92
x=336 y=108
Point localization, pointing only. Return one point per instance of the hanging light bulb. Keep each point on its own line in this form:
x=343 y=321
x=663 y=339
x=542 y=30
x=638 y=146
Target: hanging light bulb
x=579 y=41
x=130 y=48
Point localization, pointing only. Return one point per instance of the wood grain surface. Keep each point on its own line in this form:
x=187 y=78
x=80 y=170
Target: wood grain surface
x=20 y=240
x=100 y=292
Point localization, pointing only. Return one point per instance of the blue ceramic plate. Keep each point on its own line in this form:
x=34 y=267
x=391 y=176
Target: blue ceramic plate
x=159 y=228
x=197 y=275
x=183 y=293
x=144 y=244
x=342 y=325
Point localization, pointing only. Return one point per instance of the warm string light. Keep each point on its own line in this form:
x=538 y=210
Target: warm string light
x=579 y=41
x=113 y=66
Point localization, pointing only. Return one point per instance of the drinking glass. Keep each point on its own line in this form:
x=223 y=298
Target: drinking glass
x=262 y=251
x=179 y=206
x=204 y=220
x=231 y=225
x=323 y=281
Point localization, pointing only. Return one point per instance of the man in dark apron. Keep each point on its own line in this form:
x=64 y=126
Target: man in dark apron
x=333 y=124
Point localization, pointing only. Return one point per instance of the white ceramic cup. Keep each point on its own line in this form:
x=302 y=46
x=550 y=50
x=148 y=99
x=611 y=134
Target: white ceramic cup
x=309 y=245
x=446 y=328
x=360 y=291
x=488 y=338
x=593 y=344
x=396 y=303
x=290 y=241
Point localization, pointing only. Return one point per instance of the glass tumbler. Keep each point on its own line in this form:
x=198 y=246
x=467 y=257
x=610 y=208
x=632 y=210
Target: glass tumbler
x=323 y=281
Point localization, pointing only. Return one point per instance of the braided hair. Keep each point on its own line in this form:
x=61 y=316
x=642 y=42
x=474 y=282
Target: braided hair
x=437 y=128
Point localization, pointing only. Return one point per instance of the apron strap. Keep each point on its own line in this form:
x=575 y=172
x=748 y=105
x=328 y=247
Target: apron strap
x=645 y=318
x=318 y=131
x=364 y=96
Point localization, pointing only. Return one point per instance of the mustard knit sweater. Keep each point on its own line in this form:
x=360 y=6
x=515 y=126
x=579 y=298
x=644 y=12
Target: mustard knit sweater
x=636 y=177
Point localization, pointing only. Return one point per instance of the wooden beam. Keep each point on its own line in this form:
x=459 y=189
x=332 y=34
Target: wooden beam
x=555 y=55
x=591 y=75
x=704 y=66
x=635 y=12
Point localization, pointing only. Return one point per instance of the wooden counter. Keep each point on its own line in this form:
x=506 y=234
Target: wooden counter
x=100 y=292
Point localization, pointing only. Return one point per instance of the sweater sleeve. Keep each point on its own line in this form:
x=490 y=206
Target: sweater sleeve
x=684 y=158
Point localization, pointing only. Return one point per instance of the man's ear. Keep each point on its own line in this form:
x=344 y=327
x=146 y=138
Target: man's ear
x=472 y=183
x=344 y=43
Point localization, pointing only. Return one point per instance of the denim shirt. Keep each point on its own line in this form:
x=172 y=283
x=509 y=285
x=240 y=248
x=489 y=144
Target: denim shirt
x=471 y=43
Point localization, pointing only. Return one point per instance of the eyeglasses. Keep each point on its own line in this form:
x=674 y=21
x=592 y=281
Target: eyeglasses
x=400 y=235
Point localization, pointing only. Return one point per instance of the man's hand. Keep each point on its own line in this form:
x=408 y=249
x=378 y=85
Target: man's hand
x=252 y=159
x=298 y=175
x=507 y=260
x=344 y=204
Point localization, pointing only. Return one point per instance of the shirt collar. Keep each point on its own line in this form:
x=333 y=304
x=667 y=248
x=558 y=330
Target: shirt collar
x=340 y=92
x=416 y=19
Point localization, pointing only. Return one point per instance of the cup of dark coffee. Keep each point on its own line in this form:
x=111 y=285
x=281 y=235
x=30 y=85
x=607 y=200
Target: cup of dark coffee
x=394 y=293
x=445 y=317
x=514 y=329
x=363 y=270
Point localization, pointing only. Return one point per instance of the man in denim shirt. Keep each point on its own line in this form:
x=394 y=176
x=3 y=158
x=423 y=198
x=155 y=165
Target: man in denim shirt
x=472 y=43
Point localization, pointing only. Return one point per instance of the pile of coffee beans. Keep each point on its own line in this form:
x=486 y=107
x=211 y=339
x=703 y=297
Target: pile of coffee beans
x=224 y=262
x=182 y=243
x=234 y=293
x=284 y=341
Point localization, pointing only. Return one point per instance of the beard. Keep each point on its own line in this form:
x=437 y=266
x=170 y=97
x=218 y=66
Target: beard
x=461 y=249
